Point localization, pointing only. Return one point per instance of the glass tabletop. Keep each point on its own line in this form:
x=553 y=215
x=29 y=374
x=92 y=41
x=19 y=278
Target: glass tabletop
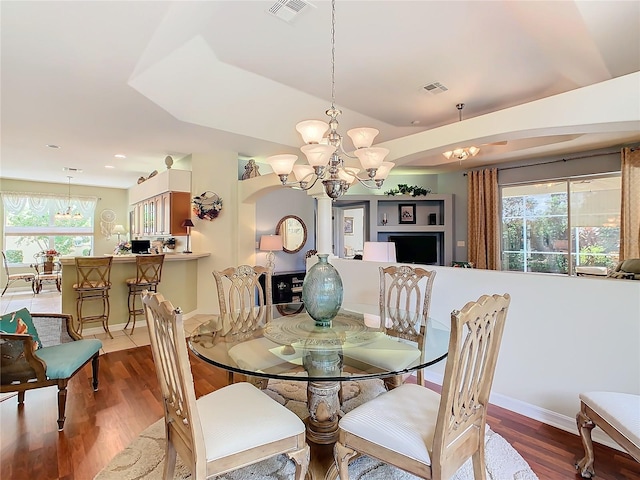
x=282 y=341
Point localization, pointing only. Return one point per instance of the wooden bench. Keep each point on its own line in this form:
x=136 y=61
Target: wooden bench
x=617 y=414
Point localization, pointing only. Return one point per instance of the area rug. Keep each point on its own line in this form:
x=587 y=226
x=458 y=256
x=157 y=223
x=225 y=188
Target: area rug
x=144 y=458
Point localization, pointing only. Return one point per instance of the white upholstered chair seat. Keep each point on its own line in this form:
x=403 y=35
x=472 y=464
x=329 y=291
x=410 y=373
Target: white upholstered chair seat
x=257 y=355
x=257 y=408
x=385 y=353
x=407 y=426
x=621 y=410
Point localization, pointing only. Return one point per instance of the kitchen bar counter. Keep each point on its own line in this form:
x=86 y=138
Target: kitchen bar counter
x=178 y=284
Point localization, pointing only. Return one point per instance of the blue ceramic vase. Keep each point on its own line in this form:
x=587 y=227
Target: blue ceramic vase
x=322 y=291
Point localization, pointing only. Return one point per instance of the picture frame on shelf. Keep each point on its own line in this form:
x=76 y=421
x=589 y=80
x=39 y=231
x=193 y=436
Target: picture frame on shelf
x=348 y=225
x=407 y=213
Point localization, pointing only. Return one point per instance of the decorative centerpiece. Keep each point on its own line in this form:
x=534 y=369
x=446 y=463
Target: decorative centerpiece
x=170 y=243
x=322 y=291
x=122 y=248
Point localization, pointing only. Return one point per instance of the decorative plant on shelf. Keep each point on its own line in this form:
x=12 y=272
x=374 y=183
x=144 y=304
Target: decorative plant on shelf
x=414 y=191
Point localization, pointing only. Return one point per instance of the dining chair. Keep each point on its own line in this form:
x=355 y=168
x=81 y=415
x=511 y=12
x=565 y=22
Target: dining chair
x=227 y=429
x=14 y=277
x=243 y=298
x=405 y=299
x=425 y=433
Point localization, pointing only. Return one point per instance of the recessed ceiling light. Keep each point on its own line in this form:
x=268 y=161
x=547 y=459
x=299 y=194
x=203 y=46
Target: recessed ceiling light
x=51 y=145
x=119 y=155
x=109 y=166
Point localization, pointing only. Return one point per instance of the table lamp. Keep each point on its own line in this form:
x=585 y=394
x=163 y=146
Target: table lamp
x=119 y=230
x=270 y=243
x=187 y=223
x=379 y=251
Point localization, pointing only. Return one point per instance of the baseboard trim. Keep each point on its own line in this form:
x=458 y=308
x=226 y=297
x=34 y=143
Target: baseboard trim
x=548 y=417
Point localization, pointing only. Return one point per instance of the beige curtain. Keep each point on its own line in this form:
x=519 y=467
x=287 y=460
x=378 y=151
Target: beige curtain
x=630 y=212
x=483 y=219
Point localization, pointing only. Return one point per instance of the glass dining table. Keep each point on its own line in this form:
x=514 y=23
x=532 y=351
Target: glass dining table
x=283 y=342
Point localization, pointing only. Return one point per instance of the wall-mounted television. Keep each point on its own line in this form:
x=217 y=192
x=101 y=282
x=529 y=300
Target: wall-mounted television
x=421 y=249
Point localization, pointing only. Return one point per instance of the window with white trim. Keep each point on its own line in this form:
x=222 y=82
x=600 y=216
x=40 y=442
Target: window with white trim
x=559 y=225
x=33 y=223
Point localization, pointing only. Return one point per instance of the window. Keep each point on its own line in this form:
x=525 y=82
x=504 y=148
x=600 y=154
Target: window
x=554 y=227
x=31 y=226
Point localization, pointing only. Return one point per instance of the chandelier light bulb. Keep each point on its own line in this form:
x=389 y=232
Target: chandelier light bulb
x=282 y=164
x=318 y=155
x=371 y=157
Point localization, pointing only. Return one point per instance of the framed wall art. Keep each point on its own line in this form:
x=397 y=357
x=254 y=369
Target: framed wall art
x=407 y=213
x=348 y=225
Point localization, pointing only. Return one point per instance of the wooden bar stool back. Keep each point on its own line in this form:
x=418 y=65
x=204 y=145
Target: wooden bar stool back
x=148 y=276
x=93 y=283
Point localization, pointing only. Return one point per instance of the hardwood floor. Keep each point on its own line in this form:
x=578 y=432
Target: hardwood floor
x=101 y=424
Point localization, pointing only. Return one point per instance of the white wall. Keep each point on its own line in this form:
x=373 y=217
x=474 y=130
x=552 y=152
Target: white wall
x=564 y=335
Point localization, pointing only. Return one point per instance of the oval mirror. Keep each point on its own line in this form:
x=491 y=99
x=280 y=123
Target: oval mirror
x=293 y=232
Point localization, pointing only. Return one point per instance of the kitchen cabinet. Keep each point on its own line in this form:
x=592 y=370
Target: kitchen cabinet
x=161 y=215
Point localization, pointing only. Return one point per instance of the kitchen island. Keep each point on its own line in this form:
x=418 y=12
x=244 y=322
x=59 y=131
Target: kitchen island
x=178 y=284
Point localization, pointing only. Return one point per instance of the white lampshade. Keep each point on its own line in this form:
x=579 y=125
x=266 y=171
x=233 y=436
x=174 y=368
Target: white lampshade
x=119 y=229
x=282 y=164
x=270 y=243
x=362 y=137
x=312 y=131
x=303 y=173
x=473 y=151
x=371 y=157
x=383 y=170
x=448 y=154
x=379 y=251
x=318 y=155
x=348 y=174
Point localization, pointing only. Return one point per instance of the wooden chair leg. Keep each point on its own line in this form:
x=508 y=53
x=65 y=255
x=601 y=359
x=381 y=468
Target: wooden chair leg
x=62 y=402
x=585 y=425
x=341 y=456
x=21 y=397
x=95 y=366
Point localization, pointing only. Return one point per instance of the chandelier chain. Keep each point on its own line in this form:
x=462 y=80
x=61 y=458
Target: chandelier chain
x=333 y=54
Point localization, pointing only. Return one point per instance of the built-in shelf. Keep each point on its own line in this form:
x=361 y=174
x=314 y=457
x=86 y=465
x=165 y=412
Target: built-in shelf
x=433 y=215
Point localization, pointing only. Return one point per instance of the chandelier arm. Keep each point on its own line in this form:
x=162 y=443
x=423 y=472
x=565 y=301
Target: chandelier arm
x=302 y=184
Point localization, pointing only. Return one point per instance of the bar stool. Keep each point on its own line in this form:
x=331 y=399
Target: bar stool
x=148 y=275
x=93 y=284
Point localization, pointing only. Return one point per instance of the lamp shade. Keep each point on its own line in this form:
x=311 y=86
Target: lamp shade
x=379 y=251
x=312 y=131
x=270 y=243
x=318 y=155
x=362 y=137
x=187 y=223
x=282 y=164
x=371 y=157
x=118 y=229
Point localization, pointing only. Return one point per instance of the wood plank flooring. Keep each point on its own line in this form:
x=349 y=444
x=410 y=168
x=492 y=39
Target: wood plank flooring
x=101 y=424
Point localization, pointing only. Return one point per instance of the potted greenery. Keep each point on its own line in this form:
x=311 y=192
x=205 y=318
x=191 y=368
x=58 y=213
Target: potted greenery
x=170 y=243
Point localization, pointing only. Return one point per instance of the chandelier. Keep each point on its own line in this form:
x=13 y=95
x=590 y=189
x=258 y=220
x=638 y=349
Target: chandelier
x=67 y=214
x=461 y=153
x=324 y=150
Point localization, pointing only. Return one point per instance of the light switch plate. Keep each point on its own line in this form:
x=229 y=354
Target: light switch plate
x=460 y=243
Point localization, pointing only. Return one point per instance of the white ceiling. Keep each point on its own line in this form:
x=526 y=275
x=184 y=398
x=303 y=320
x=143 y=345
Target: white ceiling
x=157 y=78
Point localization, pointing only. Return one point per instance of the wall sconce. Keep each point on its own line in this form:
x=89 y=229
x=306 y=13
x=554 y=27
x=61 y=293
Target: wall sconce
x=271 y=243
x=187 y=223
x=379 y=252
x=119 y=230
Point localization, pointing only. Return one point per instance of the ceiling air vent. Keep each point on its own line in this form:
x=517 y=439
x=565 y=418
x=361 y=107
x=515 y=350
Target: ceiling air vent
x=435 y=88
x=288 y=10
x=71 y=169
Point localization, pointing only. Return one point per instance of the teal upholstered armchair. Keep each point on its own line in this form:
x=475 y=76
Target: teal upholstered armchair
x=41 y=350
